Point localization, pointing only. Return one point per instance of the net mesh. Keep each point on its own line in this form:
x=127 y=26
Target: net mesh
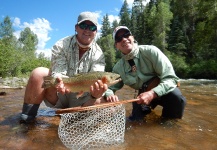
x=91 y=129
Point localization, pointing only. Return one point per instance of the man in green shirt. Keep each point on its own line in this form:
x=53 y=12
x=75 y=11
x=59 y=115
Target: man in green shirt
x=138 y=65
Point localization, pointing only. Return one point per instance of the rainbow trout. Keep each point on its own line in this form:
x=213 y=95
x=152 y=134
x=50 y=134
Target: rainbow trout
x=81 y=83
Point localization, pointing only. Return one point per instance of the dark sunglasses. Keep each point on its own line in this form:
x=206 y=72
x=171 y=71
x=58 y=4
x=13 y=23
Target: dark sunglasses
x=120 y=38
x=85 y=26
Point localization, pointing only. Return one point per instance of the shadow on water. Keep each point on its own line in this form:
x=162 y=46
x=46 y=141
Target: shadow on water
x=196 y=130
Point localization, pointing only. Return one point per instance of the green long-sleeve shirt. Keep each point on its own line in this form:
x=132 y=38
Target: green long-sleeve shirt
x=150 y=62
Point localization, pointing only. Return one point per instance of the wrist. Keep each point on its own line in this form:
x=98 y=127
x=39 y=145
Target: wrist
x=92 y=97
x=153 y=94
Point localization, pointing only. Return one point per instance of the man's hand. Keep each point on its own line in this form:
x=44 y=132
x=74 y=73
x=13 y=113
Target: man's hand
x=146 y=97
x=112 y=98
x=97 y=89
x=61 y=87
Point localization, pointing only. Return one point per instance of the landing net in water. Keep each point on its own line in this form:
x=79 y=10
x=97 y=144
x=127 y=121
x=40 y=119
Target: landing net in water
x=98 y=128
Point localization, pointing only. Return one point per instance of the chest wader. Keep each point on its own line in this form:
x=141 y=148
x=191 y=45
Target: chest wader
x=29 y=112
x=139 y=111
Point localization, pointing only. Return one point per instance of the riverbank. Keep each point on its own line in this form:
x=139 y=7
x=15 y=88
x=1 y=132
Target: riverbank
x=13 y=82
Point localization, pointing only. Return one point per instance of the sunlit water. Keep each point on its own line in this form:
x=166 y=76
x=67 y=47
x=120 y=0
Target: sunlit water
x=196 y=130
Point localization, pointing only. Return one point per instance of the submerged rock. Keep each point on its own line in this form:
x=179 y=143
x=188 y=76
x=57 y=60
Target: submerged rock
x=2 y=93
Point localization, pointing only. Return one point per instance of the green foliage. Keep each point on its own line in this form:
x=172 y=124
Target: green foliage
x=7 y=59
x=28 y=39
x=107 y=45
x=137 y=21
x=106 y=29
x=125 y=15
x=114 y=25
x=206 y=69
x=179 y=64
x=205 y=45
x=161 y=24
x=17 y=57
x=30 y=63
x=185 y=30
x=6 y=30
x=176 y=41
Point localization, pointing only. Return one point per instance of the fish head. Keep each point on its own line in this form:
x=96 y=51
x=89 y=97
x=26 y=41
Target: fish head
x=111 y=78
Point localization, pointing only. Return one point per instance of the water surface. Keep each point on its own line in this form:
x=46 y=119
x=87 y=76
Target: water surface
x=196 y=130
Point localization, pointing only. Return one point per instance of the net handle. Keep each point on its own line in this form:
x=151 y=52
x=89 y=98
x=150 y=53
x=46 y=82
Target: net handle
x=102 y=105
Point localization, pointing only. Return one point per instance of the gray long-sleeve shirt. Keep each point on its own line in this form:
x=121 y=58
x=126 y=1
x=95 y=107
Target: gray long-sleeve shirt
x=65 y=58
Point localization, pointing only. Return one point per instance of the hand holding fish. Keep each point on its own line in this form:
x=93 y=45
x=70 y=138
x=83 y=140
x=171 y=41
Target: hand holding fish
x=98 y=88
x=94 y=82
x=112 y=98
x=60 y=86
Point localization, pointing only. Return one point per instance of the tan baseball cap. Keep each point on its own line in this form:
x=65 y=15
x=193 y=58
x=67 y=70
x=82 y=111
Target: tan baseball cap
x=87 y=16
x=119 y=28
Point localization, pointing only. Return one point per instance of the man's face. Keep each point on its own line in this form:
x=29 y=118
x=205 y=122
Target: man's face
x=124 y=41
x=86 y=32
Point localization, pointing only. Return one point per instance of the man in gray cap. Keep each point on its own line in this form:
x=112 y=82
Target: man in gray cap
x=70 y=55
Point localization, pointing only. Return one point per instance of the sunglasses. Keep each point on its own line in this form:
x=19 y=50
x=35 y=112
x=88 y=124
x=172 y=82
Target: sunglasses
x=120 y=38
x=85 y=26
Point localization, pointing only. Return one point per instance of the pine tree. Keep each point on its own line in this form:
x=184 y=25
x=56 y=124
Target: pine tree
x=137 y=21
x=162 y=20
x=6 y=30
x=205 y=34
x=106 y=29
x=107 y=45
x=125 y=15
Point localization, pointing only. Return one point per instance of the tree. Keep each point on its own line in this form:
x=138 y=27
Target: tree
x=107 y=45
x=176 y=41
x=106 y=29
x=18 y=56
x=149 y=19
x=162 y=22
x=125 y=15
x=185 y=12
x=29 y=40
x=205 y=46
x=9 y=58
x=114 y=25
x=6 y=30
x=137 y=21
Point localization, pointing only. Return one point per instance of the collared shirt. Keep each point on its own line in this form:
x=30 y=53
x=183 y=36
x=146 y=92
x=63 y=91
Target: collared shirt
x=65 y=62
x=149 y=62
x=65 y=58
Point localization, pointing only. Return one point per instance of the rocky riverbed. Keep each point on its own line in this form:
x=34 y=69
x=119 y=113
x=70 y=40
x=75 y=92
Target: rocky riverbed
x=13 y=82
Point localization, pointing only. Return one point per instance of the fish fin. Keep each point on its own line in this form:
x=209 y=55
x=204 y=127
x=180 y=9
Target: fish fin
x=104 y=80
x=79 y=94
x=48 y=82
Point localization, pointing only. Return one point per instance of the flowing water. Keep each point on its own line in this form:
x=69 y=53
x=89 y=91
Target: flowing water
x=197 y=130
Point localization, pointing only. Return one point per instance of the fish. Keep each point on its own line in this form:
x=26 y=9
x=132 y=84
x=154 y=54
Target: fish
x=81 y=82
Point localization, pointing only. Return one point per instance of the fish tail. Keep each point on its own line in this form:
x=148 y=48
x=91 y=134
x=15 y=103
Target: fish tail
x=48 y=82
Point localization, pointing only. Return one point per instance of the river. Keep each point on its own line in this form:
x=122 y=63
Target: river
x=197 y=130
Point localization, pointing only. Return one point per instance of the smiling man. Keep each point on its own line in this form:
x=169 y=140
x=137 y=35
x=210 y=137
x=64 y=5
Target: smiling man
x=70 y=55
x=141 y=66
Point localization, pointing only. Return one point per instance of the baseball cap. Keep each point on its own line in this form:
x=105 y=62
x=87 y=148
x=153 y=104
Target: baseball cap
x=87 y=16
x=119 y=28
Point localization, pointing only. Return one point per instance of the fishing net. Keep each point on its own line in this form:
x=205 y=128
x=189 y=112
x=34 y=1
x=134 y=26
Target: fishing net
x=98 y=128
